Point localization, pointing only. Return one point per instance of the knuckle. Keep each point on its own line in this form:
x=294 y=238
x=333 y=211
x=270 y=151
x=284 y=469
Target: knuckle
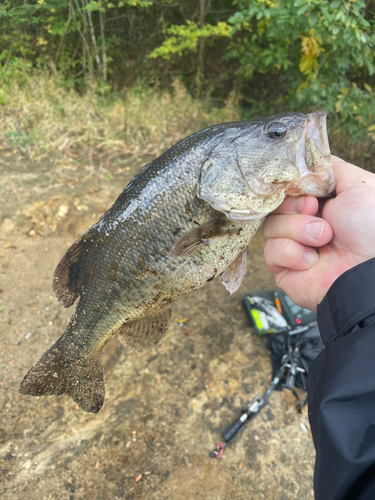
x=284 y=245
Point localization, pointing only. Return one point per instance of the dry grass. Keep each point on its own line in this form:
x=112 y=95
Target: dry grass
x=39 y=117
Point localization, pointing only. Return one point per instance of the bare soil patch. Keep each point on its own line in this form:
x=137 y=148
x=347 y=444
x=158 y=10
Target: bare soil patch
x=165 y=408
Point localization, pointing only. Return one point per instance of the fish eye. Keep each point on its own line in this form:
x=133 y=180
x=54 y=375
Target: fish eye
x=276 y=131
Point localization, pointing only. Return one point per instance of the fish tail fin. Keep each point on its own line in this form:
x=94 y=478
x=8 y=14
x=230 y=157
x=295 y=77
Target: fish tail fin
x=61 y=371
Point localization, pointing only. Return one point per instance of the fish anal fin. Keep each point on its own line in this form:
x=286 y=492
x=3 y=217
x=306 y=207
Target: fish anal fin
x=197 y=238
x=147 y=331
x=232 y=277
x=67 y=283
x=59 y=371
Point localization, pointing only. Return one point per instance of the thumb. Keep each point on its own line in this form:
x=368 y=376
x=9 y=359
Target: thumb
x=348 y=176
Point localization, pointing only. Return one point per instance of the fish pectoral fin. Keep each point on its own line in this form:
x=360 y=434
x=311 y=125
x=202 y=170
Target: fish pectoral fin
x=234 y=273
x=198 y=238
x=67 y=281
x=59 y=371
x=147 y=331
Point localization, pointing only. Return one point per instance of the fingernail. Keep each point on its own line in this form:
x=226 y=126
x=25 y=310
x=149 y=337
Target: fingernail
x=298 y=204
x=315 y=229
x=311 y=257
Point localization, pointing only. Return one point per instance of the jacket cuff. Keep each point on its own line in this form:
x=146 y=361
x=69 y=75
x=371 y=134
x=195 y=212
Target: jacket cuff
x=349 y=301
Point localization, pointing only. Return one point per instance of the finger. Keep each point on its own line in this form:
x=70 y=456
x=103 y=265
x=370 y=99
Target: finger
x=300 y=286
x=305 y=229
x=298 y=205
x=283 y=253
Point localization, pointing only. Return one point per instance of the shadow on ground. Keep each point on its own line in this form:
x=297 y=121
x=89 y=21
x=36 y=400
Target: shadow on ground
x=165 y=408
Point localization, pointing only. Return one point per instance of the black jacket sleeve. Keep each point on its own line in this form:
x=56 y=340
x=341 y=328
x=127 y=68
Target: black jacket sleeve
x=342 y=389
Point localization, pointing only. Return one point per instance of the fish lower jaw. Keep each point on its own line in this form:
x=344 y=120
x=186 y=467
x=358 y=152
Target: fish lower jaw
x=238 y=215
x=244 y=216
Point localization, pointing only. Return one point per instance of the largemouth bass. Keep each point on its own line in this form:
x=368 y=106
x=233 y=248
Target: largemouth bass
x=185 y=219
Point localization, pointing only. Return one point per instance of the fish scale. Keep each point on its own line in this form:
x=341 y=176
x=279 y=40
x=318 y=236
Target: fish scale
x=185 y=218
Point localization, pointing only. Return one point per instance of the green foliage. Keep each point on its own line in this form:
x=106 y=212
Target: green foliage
x=275 y=55
x=19 y=140
x=322 y=52
x=95 y=6
x=185 y=38
x=15 y=72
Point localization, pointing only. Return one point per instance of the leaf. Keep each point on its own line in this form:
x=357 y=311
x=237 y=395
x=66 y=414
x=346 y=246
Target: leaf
x=336 y=4
x=302 y=10
x=93 y=6
x=313 y=18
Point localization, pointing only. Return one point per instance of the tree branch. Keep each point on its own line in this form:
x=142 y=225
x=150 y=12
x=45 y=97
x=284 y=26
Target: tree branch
x=63 y=35
x=92 y=31
x=85 y=46
x=104 y=56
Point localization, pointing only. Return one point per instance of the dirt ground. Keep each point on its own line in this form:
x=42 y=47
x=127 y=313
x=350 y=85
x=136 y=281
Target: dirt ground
x=165 y=408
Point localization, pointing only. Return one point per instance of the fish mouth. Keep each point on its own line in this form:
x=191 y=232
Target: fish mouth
x=313 y=159
x=316 y=128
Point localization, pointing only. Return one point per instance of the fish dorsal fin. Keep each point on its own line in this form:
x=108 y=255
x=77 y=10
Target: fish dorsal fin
x=67 y=282
x=143 y=168
x=234 y=273
x=146 y=331
x=199 y=237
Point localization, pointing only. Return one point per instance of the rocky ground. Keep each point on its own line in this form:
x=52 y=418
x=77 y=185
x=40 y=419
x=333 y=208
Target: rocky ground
x=165 y=408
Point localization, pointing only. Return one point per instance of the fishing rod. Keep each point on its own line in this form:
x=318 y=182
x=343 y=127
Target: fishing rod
x=290 y=366
x=247 y=416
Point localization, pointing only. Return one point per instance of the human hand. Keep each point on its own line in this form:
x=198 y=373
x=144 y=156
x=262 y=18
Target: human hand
x=306 y=254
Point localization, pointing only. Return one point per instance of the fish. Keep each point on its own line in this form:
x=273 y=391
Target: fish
x=186 y=218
